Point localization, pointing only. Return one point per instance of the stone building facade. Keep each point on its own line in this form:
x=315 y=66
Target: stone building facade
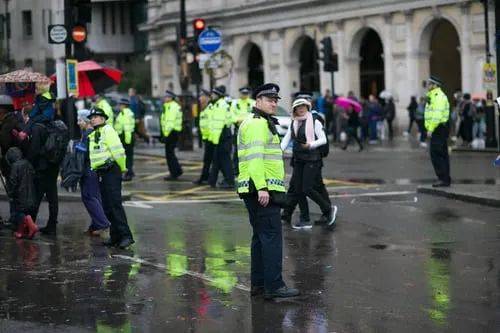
x=388 y=45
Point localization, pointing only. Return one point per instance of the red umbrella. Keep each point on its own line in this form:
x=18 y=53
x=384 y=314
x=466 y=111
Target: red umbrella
x=94 y=78
x=346 y=103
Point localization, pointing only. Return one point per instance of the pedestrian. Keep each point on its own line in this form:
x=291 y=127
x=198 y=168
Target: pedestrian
x=353 y=124
x=11 y=124
x=467 y=113
x=103 y=104
x=261 y=185
x=171 y=127
x=390 y=114
x=124 y=125
x=89 y=182
x=374 y=118
x=208 y=146
x=412 y=109
x=308 y=136
x=45 y=160
x=221 y=137
x=139 y=109
x=108 y=160
x=420 y=119
x=240 y=109
x=437 y=113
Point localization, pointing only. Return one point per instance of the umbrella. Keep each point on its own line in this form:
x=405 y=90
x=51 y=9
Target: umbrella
x=385 y=94
x=347 y=103
x=94 y=78
x=478 y=95
x=23 y=76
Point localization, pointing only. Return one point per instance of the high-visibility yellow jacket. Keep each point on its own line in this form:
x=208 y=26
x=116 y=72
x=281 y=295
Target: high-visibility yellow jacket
x=108 y=110
x=171 y=118
x=125 y=125
x=220 y=117
x=105 y=147
x=241 y=108
x=205 y=122
x=260 y=157
x=437 y=109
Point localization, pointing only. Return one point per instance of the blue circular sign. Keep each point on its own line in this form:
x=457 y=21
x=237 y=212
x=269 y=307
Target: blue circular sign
x=210 y=40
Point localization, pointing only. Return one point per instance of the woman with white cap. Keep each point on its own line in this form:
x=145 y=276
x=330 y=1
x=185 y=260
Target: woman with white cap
x=308 y=135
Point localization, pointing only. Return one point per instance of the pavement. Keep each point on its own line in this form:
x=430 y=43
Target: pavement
x=398 y=260
x=480 y=194
x=65 y=196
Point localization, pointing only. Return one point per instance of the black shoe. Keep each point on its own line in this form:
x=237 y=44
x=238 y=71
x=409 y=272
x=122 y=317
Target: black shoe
x=170 y=178
x=282 y=292
x=257 y=290
x=322 y=220
x=49 y=229
x=441 y=184
x=110 y=242
x=286 y=218
x=226 y=185
x=332 y=217
x=200 y=182
x=126 y=242
x=343 y=148
x=302 y=225
x=360 y=149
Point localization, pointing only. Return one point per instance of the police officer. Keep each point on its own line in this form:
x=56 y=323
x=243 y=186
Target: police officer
x=103 y=104
x=107 y=158
x=437 y=114
x=124 y=125
x=171 y=126
x=261 y=184
x=204 y=125
x=220 y=135
x=240 y=109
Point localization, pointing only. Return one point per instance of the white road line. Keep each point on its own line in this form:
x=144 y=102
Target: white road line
x=186 y=272
x=195 y=201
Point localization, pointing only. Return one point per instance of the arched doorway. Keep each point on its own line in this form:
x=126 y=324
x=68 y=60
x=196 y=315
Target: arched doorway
x=255 y=66
x=309 y=67
x=444 y=60
x=371 y=66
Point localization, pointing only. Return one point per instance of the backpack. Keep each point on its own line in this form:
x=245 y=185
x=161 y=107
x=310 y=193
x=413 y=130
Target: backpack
x=324 y=150
x=56 y=145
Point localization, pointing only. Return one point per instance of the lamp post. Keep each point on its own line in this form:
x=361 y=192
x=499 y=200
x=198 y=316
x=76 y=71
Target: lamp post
x=7 y=43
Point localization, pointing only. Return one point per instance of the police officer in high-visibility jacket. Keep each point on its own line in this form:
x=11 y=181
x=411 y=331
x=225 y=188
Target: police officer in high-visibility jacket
x=107 y=159
x=125 y=127
x=103 y=104
x=437 y=114
x=221 y=120
x=204 y=126
x=240 y=108
x=171 y=126
x=261 y=184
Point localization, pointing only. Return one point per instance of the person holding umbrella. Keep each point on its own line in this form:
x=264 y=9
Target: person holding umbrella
x=108 y=160
x=125 y=127
x=352 y=128
x=170 y=127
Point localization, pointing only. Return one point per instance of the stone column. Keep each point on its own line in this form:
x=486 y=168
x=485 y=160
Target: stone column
x=155 y=73
x=465 y=50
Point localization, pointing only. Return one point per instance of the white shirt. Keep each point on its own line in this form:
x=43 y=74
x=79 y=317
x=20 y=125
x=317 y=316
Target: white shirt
x=318 y=131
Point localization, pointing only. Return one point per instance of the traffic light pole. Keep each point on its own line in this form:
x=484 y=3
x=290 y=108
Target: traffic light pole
x=186 y=139
x=332 y=82
x=70 y=111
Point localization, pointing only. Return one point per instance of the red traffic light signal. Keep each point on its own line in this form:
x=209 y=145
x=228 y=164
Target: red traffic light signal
x=198 y=26
x=79 y=34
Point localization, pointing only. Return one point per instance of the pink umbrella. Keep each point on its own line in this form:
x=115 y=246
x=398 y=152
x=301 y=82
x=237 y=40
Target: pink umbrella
x=347 y=103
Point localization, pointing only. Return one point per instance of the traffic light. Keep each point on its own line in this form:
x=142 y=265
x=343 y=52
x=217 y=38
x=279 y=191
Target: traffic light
x=330 y=59
x=198 y=26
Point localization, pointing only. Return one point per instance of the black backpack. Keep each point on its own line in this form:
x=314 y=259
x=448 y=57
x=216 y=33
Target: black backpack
x=56 y=145
x=324 y=150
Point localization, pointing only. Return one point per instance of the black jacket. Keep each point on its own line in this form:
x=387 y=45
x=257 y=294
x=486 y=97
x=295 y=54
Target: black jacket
x=10 y=122
x=20 y=183
x=34 y=147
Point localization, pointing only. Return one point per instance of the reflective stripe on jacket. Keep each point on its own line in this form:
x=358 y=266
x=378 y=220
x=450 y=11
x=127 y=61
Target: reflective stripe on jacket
x=105 y=147
x=437 y=109
x=171 y=118
x=125 y=125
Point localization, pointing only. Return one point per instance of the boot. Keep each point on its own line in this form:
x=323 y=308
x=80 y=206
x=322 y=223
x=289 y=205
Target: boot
x=21 y=230
x=32 y=227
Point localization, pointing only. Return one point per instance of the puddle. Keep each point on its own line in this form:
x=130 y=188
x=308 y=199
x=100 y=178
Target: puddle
x=378 y=246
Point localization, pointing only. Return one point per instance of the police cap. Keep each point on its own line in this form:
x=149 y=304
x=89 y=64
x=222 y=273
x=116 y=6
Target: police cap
x=244 y=90
x=269 y=90
x=435 y=80
x=220 y=90
x=169 y=93
x=97 y=112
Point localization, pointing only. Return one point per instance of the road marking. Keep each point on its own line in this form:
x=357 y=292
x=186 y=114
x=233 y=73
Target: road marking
x=186 y=272
x=191 y=201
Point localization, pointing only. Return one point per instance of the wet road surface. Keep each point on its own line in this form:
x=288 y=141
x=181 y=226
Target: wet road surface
x=398 y=261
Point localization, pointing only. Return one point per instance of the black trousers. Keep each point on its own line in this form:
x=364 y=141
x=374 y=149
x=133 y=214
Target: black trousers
x=208 y=156
x=391 y=130
x=267 y=244
x=46 y=186
x=439 y=153
x=174 y=167
x=303 y=205
x=308 y=181
x=222 y=160
x=129 y=153
x=110 y=185
x=422 y=130
x=352 y=133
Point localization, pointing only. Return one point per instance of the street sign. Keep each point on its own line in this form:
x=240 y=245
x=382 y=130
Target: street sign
x=58 y=34
x=210 y=40
x=489 y=76
x=72 y=77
